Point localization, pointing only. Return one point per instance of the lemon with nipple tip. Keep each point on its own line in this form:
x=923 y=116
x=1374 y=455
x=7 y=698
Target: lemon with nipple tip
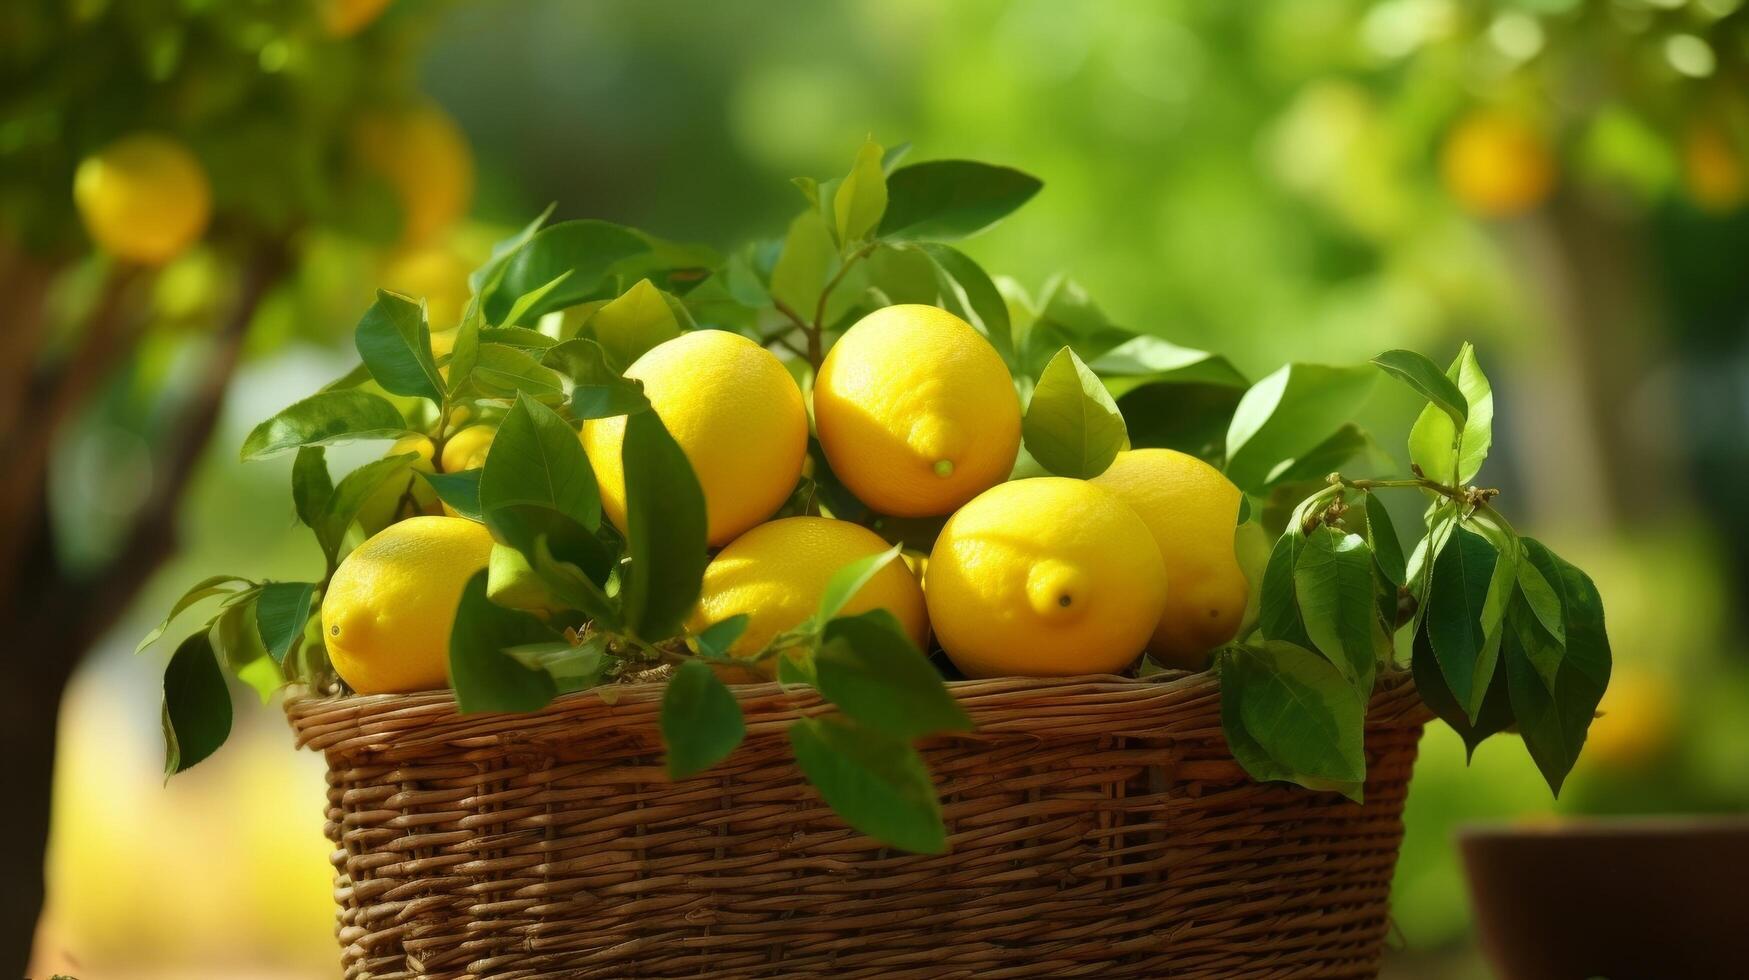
x=916 y=411
x=1044 y=577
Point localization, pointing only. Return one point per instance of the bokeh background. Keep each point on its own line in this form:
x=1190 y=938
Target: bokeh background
x=1561 y=181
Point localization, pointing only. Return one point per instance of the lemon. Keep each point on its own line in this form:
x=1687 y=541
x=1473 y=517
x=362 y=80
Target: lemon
x=916 y=411
x=423 y=155
x=144 y=198
x=1044 y=577
x=466 y=449
x=737 y=415
x=1637 y=719
x=1497 y=164
x=438 y=275
x=1712 y=169
x=389 y=608
x=777 y=572
x=1192 y=510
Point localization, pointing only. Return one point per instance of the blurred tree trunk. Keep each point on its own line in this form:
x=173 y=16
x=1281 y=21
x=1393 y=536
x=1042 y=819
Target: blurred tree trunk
x=54 y=615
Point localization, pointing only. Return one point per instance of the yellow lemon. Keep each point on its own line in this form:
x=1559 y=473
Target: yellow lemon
x=737 y=415
x=1044 y=577
x=1497 y=164
x=423 y=155
x=144 y=198
x=1192 y=510
x=439 y=276
x=466 y=449
x=916 y=411
x=777 y=572
x=389 y=608
x=1637 y=719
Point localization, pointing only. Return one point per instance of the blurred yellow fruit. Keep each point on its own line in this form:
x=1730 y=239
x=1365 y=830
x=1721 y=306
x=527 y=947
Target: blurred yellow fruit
x=916 y=411
x=143 y=198
x=1497 y=164
x=1712 y=169
x=777 y=572
x=389 y=608
x=1636 y=719
x=426 y=160
x=466 y=450
x=736 y=413
x=1192 y=510
x=344 y=18
x=1045 y=577
x=437 y=275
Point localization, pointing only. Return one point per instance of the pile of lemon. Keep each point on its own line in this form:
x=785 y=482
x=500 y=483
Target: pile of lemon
x=918 y=416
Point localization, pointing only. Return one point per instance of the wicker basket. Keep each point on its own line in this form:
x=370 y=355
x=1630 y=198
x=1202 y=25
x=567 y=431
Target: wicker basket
x=1098 y=827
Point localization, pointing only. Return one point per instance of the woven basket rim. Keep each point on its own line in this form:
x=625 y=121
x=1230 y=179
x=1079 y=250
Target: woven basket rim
x=359 y=721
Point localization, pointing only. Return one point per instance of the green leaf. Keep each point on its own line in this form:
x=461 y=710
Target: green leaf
x=665 y=530
x=461 y=491
x=1191 y=418
x=714 y=641
x=587 y=250
x=573 y=668
x=1495 y=715
x=597 y=390
x=1279 y=609
x=847 y=581
x=522 y=309
x=464 y=355
x=701 y=720
x=1461 y=575
x=484 y=678
x=1288 y=413
x=948 y=199
x=894 y=155
x=206 y=588
x=1421 y=374
x=861 y=198
x=522 y=338
x=571 y=584
x=1068 y=317
x=968 y=292
x=197 y=705
x=311 y=484
x=1381 y=535
x=350 y=495
x=280 y=614
x=487 y=277
x=536 y=458
x=1433 y=441
x=323 y=418
x=1545 y=601
x=807 y=260
x=395 y=344
x=1072 y=426
x=1333 y=585
x=1554 y=719
x=875 y=674
x=1146 y=360
x=506 y=372
x=633 y=323
x=876 y=783
x=1289 y=714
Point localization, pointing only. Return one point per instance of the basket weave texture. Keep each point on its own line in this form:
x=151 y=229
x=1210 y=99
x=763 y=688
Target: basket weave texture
x=1098 y=827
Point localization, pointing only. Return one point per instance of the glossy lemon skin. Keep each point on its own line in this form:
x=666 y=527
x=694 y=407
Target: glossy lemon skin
x=143 y=198
x=1191 y=510
x=916 y=411
x=388 y=611
x=736 y=413
x=1045 y=577
x=777 y=573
